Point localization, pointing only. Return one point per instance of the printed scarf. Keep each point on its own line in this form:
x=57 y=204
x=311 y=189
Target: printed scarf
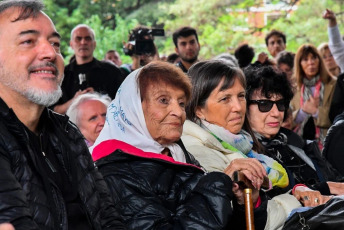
x=243 y=143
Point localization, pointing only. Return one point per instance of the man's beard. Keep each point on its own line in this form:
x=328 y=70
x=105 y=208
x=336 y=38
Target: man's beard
x=38 y=96
x=190 y=60
x=41 y=97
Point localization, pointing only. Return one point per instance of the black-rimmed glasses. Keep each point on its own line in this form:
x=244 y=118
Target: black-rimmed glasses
x=265 y=106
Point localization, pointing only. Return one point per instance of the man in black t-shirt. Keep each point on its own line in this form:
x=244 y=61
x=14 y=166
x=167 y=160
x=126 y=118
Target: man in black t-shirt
x=85 y=73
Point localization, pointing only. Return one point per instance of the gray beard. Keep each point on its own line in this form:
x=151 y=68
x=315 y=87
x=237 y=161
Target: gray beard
x=41 y=97
x=37 y=96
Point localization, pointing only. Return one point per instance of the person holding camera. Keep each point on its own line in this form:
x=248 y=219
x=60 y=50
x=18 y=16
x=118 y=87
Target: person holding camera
x=85 y=73
x=141 y=47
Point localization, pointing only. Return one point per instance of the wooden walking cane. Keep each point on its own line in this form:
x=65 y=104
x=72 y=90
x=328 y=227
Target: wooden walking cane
x=249 y=209
x=242 y=181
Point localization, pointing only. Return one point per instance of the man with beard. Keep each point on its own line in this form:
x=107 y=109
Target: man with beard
x=186 y=46
x=85 y=73
x=47 y=178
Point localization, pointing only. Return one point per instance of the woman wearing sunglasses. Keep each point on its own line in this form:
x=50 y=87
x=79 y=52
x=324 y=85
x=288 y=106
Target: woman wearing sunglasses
x=312 y=100
x=215 y=135
x=268 y=96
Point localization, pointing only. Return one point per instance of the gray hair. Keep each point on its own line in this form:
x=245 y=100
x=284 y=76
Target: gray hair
x=83 y=26
x=73 y=110
x=228 y=59
x=29 y=8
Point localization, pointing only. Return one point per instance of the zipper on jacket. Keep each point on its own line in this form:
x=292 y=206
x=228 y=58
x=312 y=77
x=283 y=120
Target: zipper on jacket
x=52 y=168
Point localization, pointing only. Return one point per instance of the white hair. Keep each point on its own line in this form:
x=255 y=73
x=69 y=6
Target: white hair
x=83 y=26
x=73 y=110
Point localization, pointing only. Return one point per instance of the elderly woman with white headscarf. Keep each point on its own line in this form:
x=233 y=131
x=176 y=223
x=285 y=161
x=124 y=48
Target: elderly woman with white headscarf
x=154 y=181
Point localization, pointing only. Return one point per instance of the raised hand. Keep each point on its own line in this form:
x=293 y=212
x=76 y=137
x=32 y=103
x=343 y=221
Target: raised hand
x=331 y=17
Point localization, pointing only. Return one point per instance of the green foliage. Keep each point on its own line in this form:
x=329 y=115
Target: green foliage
x=107 y=38
x=222 y=25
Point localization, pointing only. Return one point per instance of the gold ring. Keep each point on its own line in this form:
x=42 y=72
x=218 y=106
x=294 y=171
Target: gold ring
x=316 y=200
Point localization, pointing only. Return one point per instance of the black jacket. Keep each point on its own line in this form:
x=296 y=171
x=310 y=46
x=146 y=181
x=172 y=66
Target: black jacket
x=284 y=148
x=334 y=144
x=28 y=199
x=152 y=191
x=337 y=103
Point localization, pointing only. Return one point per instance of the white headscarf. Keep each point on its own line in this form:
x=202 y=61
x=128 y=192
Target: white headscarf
x=125 y=121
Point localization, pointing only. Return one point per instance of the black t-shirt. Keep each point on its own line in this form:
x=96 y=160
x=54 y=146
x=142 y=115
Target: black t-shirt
x=51 y=167
x=102 y=76
x=180 y=65
x=82 y=72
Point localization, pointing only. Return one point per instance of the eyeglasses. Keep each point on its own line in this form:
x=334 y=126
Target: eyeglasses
x=265 y=106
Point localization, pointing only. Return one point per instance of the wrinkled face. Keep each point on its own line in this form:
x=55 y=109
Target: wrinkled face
x=188 y=48
x=225 y=108
x=31 y=64
x=330 y=63
x=269 y=123
x=310 y=65
x=286 y=69
x=114 y=57
x=83 y=43
x=91 y=119
x=275 y=45
x=164 y=111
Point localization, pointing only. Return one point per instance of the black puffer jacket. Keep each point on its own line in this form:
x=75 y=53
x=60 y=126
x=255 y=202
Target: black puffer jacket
x=292 y=152
x=24 y=200
x=334 y=144
x=152 y=191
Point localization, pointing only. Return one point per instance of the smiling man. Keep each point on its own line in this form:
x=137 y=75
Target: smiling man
x=47 y=179
x=85 y=73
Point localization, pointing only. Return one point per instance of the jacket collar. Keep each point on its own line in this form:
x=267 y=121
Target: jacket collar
x=11 y=119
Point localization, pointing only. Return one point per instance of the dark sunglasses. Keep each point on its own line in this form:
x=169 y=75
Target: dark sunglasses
x=265 y=106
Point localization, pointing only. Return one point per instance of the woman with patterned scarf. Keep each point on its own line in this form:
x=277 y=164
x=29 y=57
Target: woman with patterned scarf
x=312 y=101
x=268 y=96
x=218 y=134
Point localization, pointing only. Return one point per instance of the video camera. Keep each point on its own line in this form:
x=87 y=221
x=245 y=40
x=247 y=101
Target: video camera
x=141 y=41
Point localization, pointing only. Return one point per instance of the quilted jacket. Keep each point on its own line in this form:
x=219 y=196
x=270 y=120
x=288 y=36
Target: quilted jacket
x=152 y=191
x=24 y=200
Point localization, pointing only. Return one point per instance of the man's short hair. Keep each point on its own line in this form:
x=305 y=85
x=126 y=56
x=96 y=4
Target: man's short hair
x=185 y=31
x=28 y=8
x=83 y=26
x=110 y=51
x=172 y=57
x=244 y=54
x=275 y=33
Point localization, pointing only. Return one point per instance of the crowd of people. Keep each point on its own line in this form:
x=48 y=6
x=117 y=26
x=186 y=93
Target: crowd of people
x=158 y=144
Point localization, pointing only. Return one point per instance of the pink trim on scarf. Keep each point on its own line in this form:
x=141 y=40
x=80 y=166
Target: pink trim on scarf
x=107 y=147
